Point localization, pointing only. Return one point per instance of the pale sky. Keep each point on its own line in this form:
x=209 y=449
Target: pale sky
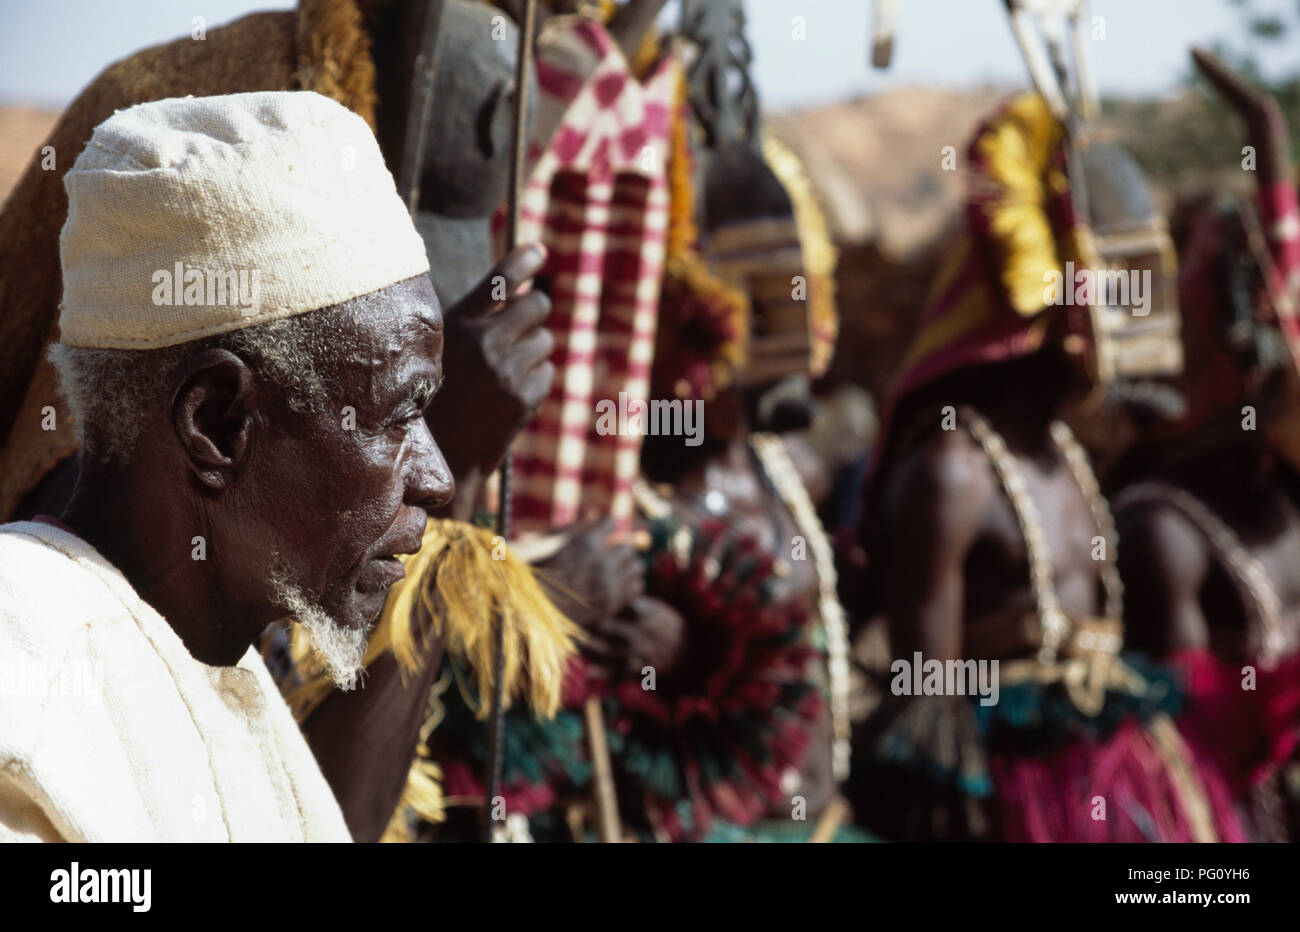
x=49 y=49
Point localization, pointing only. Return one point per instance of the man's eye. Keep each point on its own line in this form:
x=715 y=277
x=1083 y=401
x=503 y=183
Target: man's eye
x=402 y=416
x=414 y=406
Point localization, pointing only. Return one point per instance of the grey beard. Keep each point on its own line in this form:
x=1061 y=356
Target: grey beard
x=340 y=648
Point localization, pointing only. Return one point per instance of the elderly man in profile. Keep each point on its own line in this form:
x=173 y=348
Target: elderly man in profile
x=254 y=447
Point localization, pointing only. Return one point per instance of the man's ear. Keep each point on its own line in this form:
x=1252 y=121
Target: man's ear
x=212 y=413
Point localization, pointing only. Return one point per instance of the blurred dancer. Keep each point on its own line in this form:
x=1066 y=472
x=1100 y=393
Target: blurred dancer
x=990 y=538
x=1209 y=513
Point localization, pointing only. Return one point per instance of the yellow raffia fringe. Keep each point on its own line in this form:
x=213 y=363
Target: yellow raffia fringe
x=1013 y=182
x=422 y=797
x=1018 y=149
x=455 y=586
x=683 y=261
x=460 y=581
x=819 y=253
x=682 y=233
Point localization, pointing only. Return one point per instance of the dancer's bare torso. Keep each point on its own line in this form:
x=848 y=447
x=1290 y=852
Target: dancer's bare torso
x=958 y=553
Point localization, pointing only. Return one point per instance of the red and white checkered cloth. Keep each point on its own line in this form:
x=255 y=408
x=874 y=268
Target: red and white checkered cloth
x=597 y=196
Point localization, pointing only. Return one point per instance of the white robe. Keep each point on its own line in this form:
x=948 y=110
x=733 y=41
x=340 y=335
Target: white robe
x=111 y=731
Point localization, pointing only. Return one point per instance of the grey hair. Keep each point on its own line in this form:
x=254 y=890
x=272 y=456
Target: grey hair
x=111 y=392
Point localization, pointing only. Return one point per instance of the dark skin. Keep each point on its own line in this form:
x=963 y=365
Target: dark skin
x=725 y=463
x=1260 y=115
x=496 y=352
x=648 y=632
x=224 y=460
x=497 y=361
x=497 y=356
x=596 y=578
x=493 y=354
x=594 y=575
x=947 y=549
x=1177 y=593
x=498 y=367
x=379 y=724
x=957 y=553
x=501 y=360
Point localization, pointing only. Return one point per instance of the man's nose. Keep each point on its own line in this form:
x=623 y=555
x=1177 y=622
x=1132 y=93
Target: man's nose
x=429 y=482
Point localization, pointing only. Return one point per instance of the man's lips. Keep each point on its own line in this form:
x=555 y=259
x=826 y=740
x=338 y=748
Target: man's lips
x=379 y=575
x=408 y=541
x=390 y=569
x=385 y=571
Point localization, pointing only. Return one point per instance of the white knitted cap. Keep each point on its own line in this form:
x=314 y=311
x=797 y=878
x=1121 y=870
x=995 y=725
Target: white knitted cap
x=200 y=215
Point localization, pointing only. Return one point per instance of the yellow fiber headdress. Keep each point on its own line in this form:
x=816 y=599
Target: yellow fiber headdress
x=461 y=579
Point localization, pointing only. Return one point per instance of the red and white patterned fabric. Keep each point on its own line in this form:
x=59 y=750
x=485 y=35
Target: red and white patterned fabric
x=597 y=196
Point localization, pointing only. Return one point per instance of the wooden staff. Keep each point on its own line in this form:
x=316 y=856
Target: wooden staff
x=523 y=71
x=607 y=824
x=884 y=23
x=422 y=71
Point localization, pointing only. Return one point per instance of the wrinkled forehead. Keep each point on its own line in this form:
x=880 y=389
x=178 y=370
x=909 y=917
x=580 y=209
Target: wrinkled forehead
x=398 y=313
x=393 y=329
x=415 y=304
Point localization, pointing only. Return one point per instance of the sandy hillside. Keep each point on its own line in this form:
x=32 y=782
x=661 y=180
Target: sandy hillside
x=876 y=164
x=876 y=161
x=21 y=131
